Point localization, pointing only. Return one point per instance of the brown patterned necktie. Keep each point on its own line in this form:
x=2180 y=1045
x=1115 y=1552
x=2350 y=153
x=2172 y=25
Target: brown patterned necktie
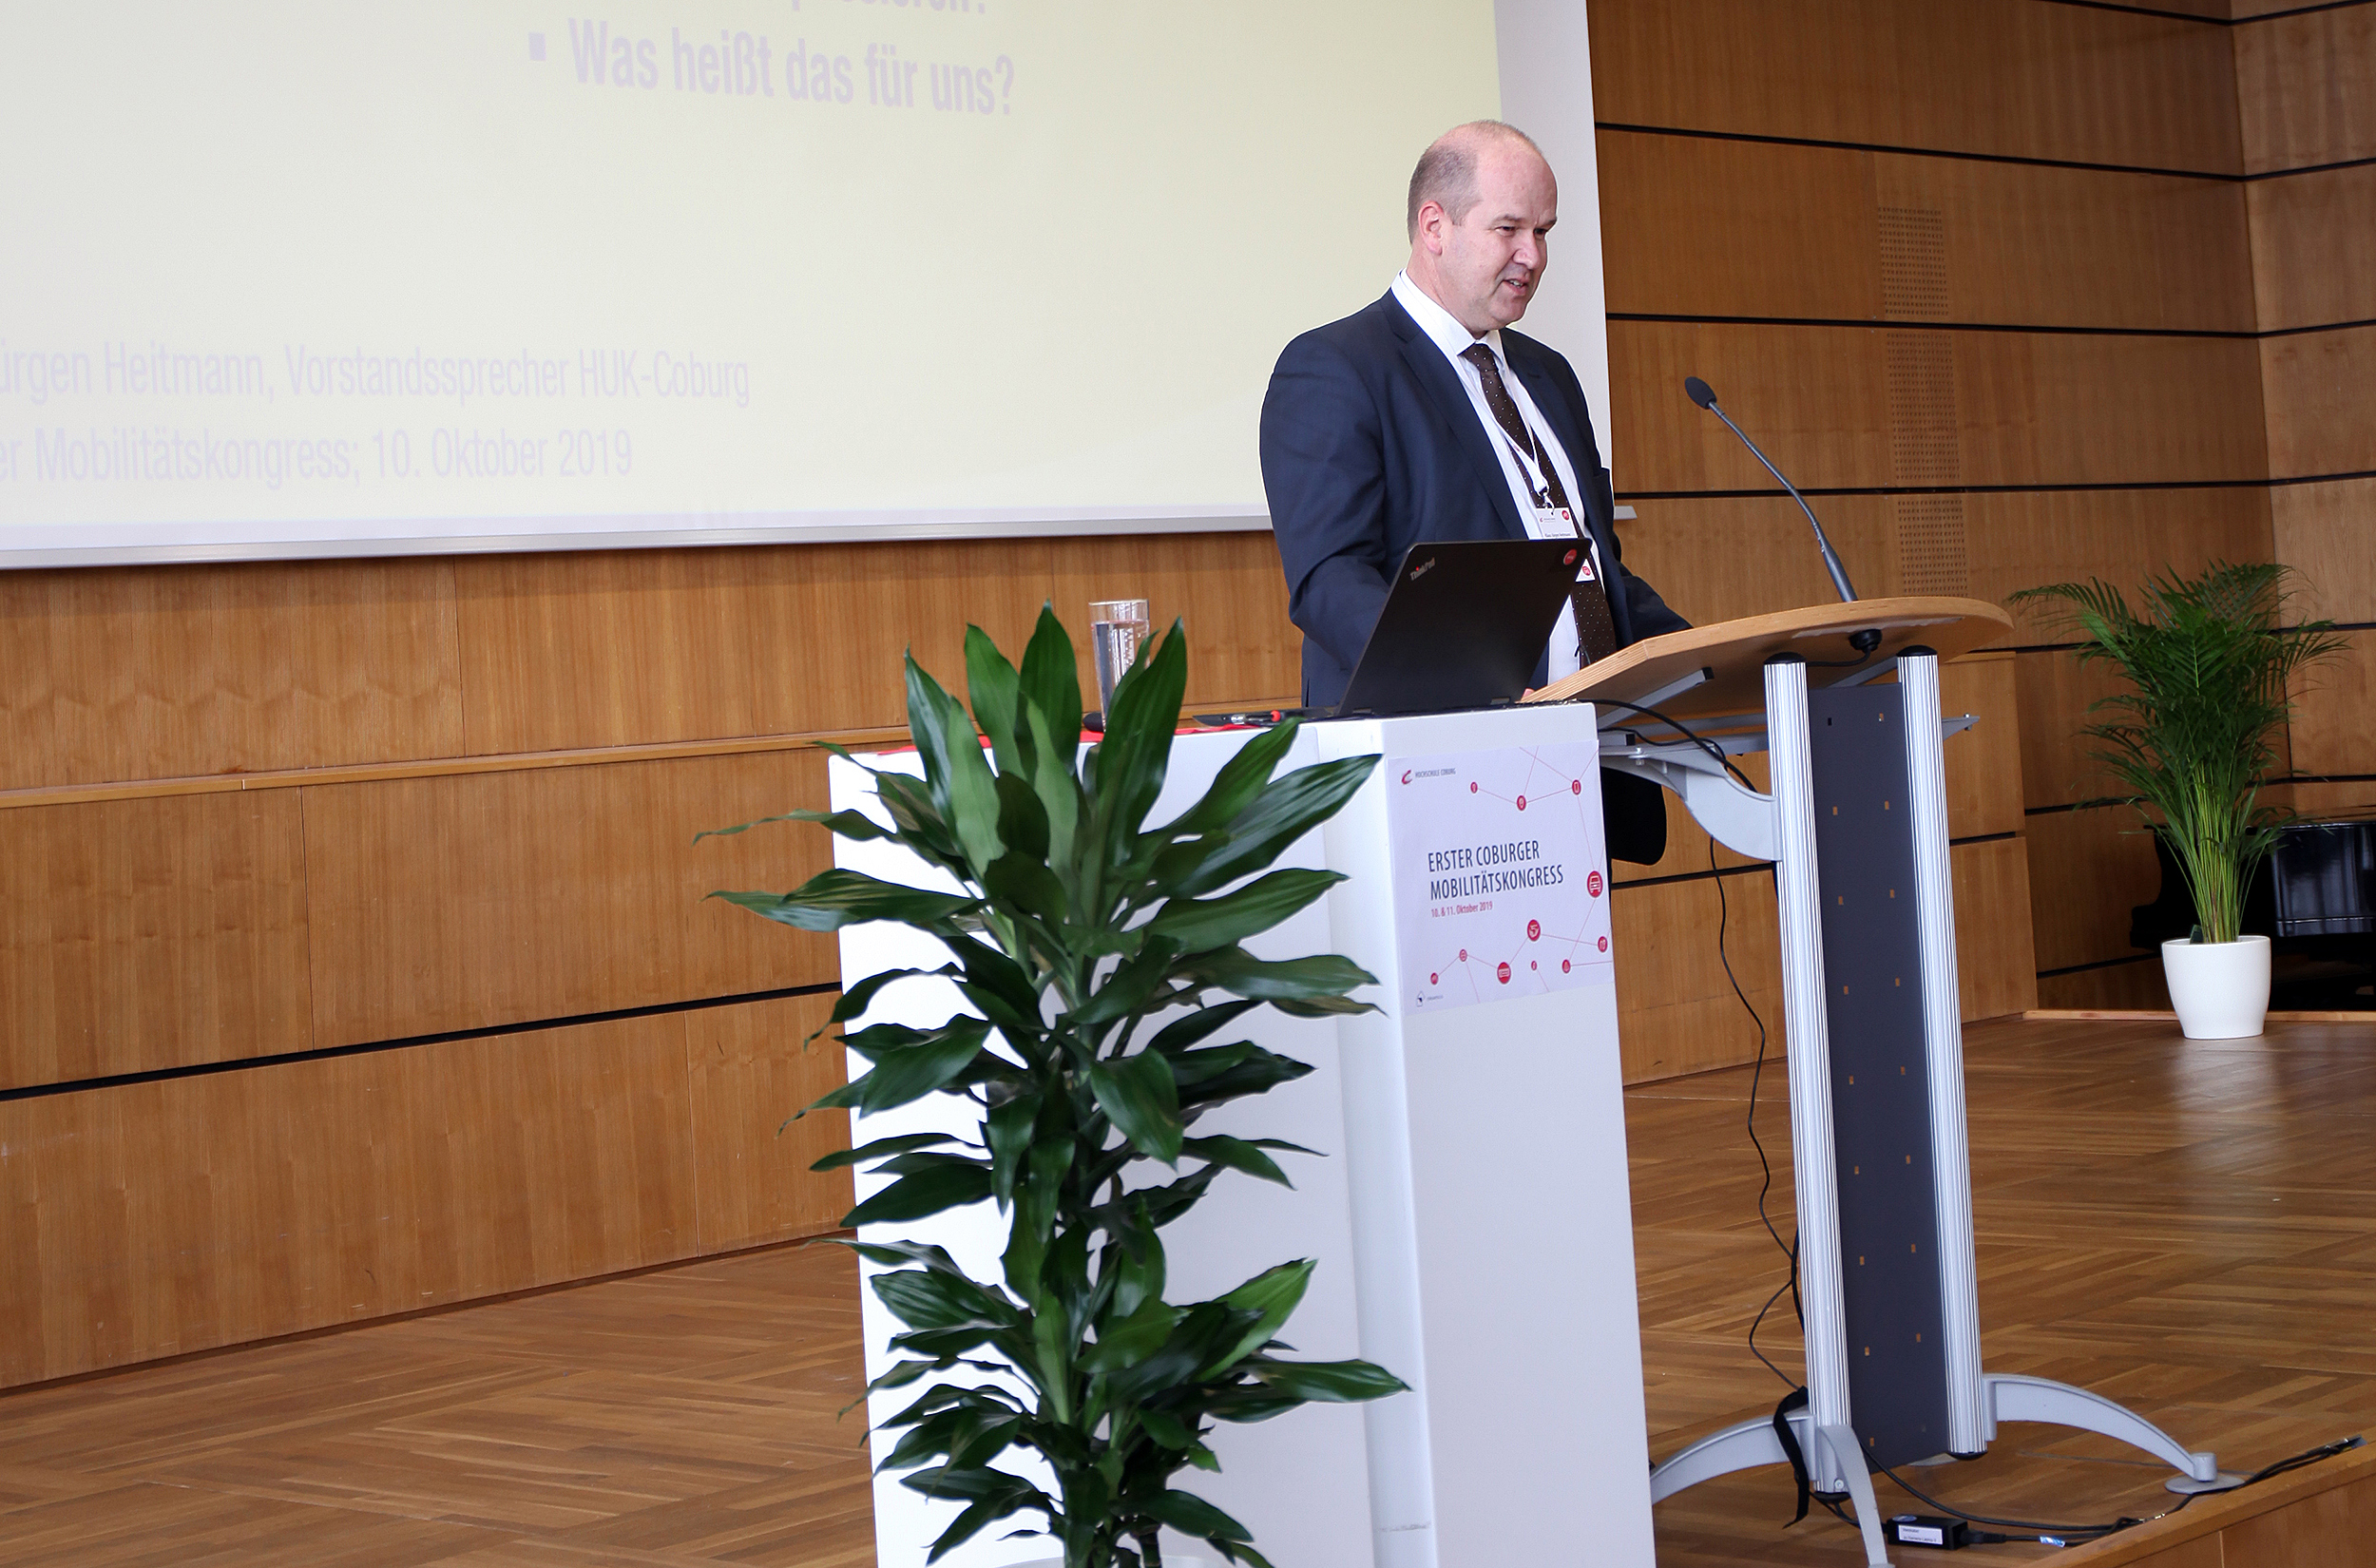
x=1596 y=633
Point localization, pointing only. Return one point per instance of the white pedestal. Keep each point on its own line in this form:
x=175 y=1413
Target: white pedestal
x=1473 y=1223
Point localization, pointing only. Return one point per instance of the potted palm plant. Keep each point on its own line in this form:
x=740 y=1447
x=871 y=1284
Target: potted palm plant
x=2210 y=666
x=1102 y=962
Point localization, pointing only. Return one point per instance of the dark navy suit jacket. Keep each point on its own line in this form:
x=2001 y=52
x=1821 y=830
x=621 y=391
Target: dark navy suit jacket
x=1370 y=444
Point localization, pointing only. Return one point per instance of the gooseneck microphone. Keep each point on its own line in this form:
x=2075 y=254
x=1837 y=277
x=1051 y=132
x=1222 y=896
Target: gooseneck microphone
x=1701 y=393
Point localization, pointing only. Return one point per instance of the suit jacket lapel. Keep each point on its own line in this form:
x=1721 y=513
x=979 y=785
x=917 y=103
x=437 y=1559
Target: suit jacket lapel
x=1450 y=399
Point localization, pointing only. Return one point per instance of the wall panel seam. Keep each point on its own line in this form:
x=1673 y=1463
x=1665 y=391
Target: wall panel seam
x=2044 y=488
x=1771 y=140
x=1865 y=323
x=370 y=1047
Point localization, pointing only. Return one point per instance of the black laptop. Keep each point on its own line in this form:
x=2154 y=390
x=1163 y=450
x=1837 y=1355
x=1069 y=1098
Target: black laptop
x=1463 y=626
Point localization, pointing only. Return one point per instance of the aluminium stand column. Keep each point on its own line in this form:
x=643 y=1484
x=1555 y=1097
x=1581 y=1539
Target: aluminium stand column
x=1835 y=1459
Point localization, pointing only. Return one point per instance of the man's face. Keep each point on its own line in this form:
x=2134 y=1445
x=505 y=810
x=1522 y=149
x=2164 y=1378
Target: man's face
x=1489 y=263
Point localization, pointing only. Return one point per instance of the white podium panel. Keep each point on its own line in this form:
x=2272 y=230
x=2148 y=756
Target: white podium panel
x=1471 y=1222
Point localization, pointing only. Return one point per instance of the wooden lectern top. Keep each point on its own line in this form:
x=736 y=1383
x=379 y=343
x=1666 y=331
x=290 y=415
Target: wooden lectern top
x=1735 y=652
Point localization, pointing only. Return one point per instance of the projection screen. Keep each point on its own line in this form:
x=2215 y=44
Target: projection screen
x=292 y=279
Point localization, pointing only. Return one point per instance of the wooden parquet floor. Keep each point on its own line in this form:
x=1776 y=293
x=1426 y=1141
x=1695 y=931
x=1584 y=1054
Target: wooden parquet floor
x=2188 y=1228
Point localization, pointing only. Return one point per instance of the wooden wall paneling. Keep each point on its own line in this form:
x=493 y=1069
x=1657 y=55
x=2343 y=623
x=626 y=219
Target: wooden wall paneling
x=2306 y=88
x=750 y=1075
x=2132 y=986
x=2066 y=83
x=2041 y=247
x=1985 y=762
x=2309 y=241
x=2348 y=797
x=146 y=934
x=1228 y=588
x=1816 y=398
x=162 y=1217
x=464 y=901
x=1720 y=557
x=2057 y=692
x=2322 y=531
x=2026 y=539
x=1700 y=226
x=1677 y=1013
x=2330 y=733
x=2088 y=869
x=583 y=649
x=167 y=672
x=1852 y=408
x=1705 y=226
x=2063 y=407
x=2320 y=386
x=1995 y=965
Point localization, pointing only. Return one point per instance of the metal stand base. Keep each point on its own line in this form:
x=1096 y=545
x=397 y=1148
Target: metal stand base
x=2011 y=1397
x=1753 y=1443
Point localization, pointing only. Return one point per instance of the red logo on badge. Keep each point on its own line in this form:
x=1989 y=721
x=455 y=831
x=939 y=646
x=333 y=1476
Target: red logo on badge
x=1568 y=560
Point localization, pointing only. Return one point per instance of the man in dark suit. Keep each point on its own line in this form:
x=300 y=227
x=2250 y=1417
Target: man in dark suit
x=1420 y=418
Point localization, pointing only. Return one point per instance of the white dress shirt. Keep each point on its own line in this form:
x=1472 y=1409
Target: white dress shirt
x=1447 y=334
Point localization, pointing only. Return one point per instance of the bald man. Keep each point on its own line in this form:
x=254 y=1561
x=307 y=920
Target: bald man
x=1422 y=417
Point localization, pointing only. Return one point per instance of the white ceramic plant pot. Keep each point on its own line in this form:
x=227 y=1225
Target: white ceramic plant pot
x=2220 y=990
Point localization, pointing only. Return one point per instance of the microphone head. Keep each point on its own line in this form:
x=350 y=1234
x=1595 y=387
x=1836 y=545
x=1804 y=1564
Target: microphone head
x=1698 y=391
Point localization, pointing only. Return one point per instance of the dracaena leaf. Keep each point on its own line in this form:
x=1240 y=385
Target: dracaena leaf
x=1240 y=973
x=1133 y=758
x=1333 y=1382
x=1184 y=1031
x=855 y=826
x=995 y=690
x=882 y=1148
x=1239 y=1154
x=925 y=1194
x=960 y=776
x=1202 y=925
x=1272 y=1295
x=925 y=1298
x=1240 y=780
x=1127 y=1341
x=834 y=898
x=908 y=1074
x=1192 y=1516
x=1138 y=1095
x=1286 y=810
x=855 y=999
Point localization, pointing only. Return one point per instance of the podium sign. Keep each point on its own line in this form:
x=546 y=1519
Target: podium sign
x=1500 y=886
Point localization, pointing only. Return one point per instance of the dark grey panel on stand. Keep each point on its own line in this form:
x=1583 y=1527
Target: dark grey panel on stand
x=1880 y=1082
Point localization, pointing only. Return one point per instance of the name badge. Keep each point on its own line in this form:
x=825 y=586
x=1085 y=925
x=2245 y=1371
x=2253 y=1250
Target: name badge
x=1551 y=522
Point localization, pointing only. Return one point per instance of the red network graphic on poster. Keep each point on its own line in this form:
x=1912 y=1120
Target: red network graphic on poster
x=1501 y=888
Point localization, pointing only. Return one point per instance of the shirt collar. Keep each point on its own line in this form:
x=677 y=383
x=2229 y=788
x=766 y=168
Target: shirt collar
x=1443 y=329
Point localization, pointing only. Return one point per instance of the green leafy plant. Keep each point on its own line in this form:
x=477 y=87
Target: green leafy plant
x=2210 y=664
x=1098 y=959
